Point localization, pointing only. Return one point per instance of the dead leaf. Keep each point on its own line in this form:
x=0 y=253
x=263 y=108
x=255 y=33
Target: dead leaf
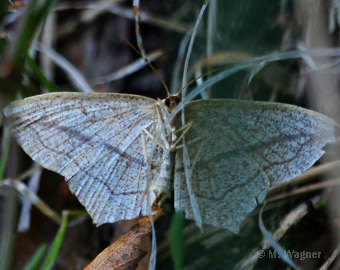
x=128 y=250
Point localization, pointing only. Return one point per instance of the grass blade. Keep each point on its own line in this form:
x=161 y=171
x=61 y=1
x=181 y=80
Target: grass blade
x=40 y=204
x=268 y=236
x=38 y=72
x=55 y=247
x=3 y=9
x=36 y=12
x=4 y=152
x=37 y=258
x=176 y=240
x=77 y=79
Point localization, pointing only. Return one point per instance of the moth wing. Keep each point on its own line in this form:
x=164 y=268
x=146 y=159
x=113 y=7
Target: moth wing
x=94 y=141
x=238 y=149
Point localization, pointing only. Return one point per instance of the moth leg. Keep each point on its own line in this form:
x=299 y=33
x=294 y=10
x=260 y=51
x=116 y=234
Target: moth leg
x=154 y=121
x=188 y=174
x=145 y=148
x=185 y=129
x=148 y=133
x=147 y=162
x=158 y=202
x=190 y=143
x=196 y=157
x=160 y=129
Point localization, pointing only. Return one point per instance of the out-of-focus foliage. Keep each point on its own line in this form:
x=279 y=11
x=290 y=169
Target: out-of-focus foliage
x=90 y=36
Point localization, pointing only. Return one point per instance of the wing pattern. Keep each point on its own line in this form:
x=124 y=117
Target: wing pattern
x=238 y=149
x=94 y=141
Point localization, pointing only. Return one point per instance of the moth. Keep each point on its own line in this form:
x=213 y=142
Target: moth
x=100 y=143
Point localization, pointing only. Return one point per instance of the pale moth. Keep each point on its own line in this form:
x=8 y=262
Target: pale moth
x=238 y=150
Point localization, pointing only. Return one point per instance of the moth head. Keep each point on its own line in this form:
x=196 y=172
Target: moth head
x=171 y=102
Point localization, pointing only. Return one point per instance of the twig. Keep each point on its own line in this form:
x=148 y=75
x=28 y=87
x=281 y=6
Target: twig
x=303 y=178
x=77 y=79
x=296 y=214
x=41 y=205
x=331 y=259
x=302 y=190
x=129 y=69
x=25 y=215
x=145 y=17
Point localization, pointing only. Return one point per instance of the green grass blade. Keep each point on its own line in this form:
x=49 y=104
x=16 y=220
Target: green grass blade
x=38 y=72
x=36 y=12
x=3 y=9
x=4 y=152
x=176 y=240
x=55 y=247
x=77 y=213
x=37 y=258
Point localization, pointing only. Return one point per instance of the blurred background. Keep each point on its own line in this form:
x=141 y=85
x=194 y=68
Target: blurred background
x=83 y=45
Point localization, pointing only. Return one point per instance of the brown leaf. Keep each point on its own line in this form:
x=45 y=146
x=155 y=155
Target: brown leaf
x=127 y=251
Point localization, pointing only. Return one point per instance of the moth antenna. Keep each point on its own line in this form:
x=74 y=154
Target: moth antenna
x=195 y=79
x=137 y=26
x=150 y=65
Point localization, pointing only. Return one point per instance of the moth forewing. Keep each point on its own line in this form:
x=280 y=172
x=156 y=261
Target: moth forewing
x=94 y=141
x=248 y=147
